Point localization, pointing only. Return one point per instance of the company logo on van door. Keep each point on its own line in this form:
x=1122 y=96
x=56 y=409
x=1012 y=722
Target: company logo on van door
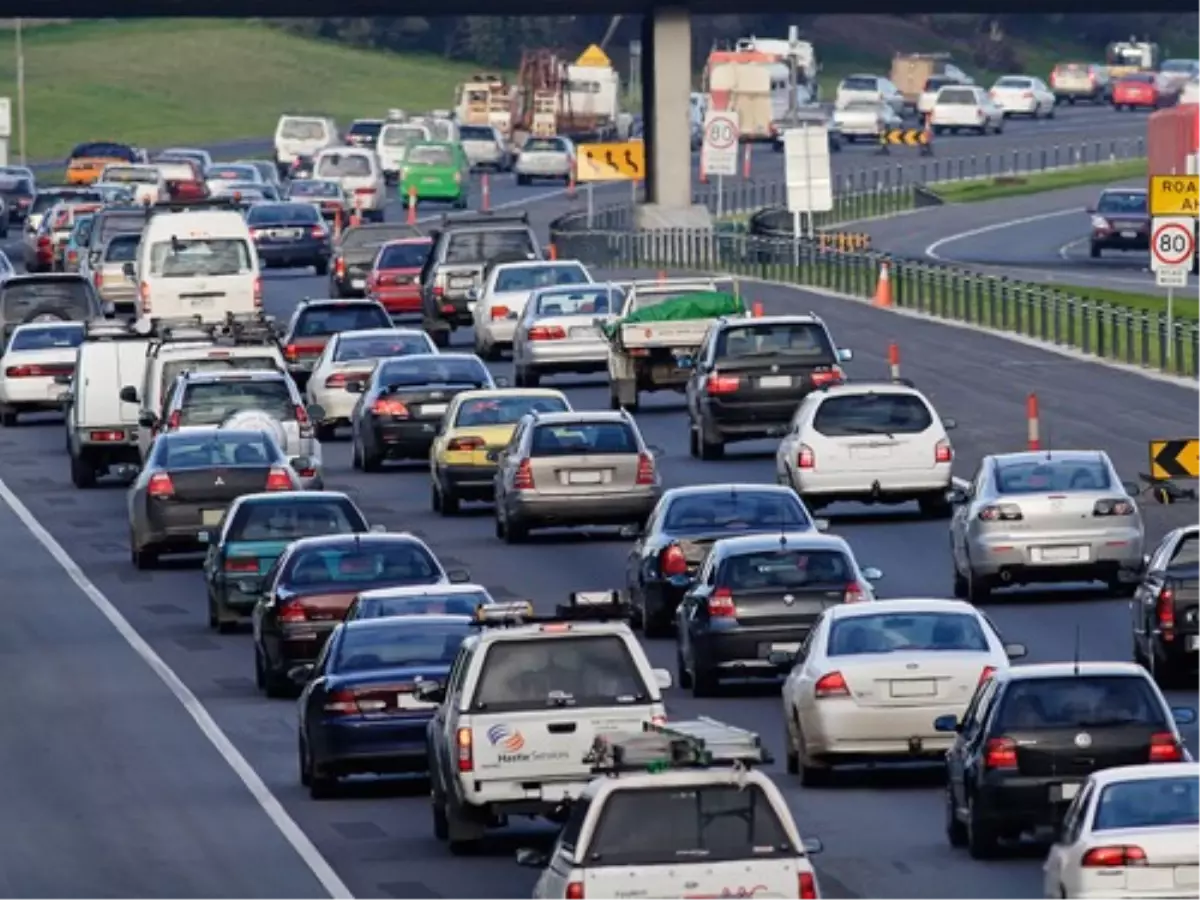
x=511 y=746
x=507 y=739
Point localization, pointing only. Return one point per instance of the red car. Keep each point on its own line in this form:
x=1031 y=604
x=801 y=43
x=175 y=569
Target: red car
x=395 y=275
x=1136 y=91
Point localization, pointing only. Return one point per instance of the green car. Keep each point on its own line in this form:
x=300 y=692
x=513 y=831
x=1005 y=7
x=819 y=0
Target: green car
x=436 y=171
x=254 y=532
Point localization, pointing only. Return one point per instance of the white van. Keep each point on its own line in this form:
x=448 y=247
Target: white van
x=394 y=140
x=360 y=174
x=198 y=263
x=297 y=136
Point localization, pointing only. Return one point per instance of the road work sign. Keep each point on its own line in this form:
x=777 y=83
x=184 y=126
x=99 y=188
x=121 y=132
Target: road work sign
x=1175 y=195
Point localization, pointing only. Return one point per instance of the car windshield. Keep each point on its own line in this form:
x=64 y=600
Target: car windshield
x=212 y=402
x=1133 y=203
x=591 y=670
x=200 y=257
x=860 y=83
x=799 y=339
x=212 y=361
x=1040 y=476
x=1018 y=83
x=1079 y=701
x=381 y=346
x=1148 y=803
x=426 y=603
x=403 y=135
x=302 y=130
x=876 y=414
x=596 y=302
x=956 y=97
x=130 y=175
x=69 y=295
x=476 y=133
x=481 y=246
x=282 y=213
x=123 y=248
x=43 y=201
x=430 y=155
x=290 y=520
x=212 y=449
x=584 y=438
x=344 y=165
x=363 y=565
x=405 y=645
x=329 y=189
x=786 y=569
x=58 y=337
x=906 y=632
x=434 y=370
x=544 y=145
x=322 y=321
x=1180 y=66
x=734 y=511
x=481 y=412
x=528 y=278
x=404 y=256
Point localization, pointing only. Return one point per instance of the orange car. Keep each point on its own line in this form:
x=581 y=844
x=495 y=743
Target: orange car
x=87 y=161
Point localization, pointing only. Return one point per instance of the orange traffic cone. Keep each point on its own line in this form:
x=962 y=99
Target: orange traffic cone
x=571 y=184
x=883 y=288
x=756 y=310
x=553 y=252
x=412 y=206
x=337 y=223
x=662 y=276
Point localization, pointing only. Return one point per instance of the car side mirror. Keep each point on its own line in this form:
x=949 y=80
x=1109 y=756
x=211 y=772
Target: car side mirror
x=1091 y=210
x=459 y=576
x=300 y=674
x=129 y=270
x=845 y=354
x=473 y=295
x=781 y=658
x=1183 y=715
x=430 y=691
x=947 y=724
x=949 y=424
x=206 y=536
x=655 y=451
x=531 y=859
x=248 y=587
x=872 y=574
x=631 y=532
x=129 y=394
x=812 y=845
x=957 y=496
x=148 y=420
x=355 y=387
x=64 y=380
x=378 y=529
x=1015 y=651
x=316 y=412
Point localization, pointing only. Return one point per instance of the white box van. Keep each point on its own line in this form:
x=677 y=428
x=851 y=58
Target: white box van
x=199 y=263
x=297 y=136
x=360 y=174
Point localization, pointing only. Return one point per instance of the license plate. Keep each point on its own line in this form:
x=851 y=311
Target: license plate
x=1128 y=234
x=1193 y=643
x=358 y=282
x=785 y=648
x=1187 y=876
x=585 y=477
x=1060 y=554
x=212 y=516
x=583 y=332
x=1060 y=793
x=870 y=452
x=922 y=687
x=775 y=381
x=201 y=302
x=408 y=701
x=433 y=409
x=431 y=181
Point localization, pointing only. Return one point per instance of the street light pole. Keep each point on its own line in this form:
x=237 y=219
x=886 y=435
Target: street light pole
x=20 y=48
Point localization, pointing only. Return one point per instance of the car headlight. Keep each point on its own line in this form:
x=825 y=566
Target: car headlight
x=1100 y=223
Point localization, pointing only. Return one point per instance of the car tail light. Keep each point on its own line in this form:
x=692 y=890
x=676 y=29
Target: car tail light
x=499 y=312
x=98 y=279
x=302 y=415
x=293 y=613
x=722 y=384
x=72 y=256
x=1164 y=610
x=1114 y=857
x=386 y=407
x=1028 y=95
x=234 y=564
x=659 y=720
x=341 y=379
x=672 y=562
x=341 y=703
x=278 y=480
x=547 y=333
x=317 y=231
x=574 y=890
x=828 y=376
x=24 y=371
x=364 y=192
x=853 y=593
x=466 y=750
x=465 y=443
x=103 y=437
x=831 y=685
x=523 y=480
x=1112 y=507
x=1000 y=753
x=1001 y=512
x=806 y=888
x=987 y=673
x=291 y=352
x=44 y=243
x=458 y=178
x=720 y=604
x=943 y=452
x=174 y=420
x=1164 y=748
x=160 y=486
x=144 y=296
x=806 y=459
x=448 y=308
x=645 y=469
x=339 y=268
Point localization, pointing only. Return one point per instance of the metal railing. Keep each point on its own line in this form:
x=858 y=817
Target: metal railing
x=1137 y=337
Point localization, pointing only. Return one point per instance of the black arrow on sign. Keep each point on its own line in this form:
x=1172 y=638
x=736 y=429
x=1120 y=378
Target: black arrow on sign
x=612 y=163
x=1167 y=459
x=632 y=162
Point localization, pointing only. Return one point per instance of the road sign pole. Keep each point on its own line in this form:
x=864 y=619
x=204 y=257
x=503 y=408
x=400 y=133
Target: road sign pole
x=590 y=193
x=1170 y=323
x=720 y=197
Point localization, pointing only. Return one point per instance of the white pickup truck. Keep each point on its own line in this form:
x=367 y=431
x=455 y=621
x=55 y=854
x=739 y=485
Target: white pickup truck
x=657 y=355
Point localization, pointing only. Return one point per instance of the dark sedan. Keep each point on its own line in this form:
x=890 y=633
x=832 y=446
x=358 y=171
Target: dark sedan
x=189 y=480
x=359 y=711
x=17 y=194
x=1120 y=221
x=290 y=234
x=355 y=251
x=47 y=297
x=682 y=528
x=401 y=407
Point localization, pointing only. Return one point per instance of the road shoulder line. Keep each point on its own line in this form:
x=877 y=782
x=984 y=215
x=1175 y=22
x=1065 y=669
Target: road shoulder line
x=932 y=250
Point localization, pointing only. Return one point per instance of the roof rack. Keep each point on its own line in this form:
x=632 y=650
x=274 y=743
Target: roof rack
x=694 y=744
x=581 y=606
x=232 y=204
x=252 y=328
x=111 y=330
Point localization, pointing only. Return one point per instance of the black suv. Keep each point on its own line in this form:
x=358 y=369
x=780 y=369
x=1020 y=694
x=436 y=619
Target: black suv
x=354 y=252
x=750 y=374
x=1033 y=734
x=47 y=298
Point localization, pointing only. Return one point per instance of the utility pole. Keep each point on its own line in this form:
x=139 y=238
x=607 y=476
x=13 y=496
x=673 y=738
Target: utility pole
x=20 y=49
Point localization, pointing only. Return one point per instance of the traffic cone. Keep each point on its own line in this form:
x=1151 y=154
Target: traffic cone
x=883 y=288
x=756 y=309
x=662 y=276
x=552 y=252
x=486 y=192
x=571 y=184
x=412 y=206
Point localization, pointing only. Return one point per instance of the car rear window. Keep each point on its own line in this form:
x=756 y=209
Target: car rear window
x=872 y=414
x=277 y=520
x=476 y=133
x=382 y=346
x=900 y=632
x=936 y=82
x=232 y=173
x=597 y=302
x=329 y=189
x=200 y=257
x=322 y=321
x=344 y=165
x=364 y=565
x=1039 y=476
x=734 y=511
x=57 y=338
x=129 y=223
x=375 y=236
x=370 y=129
x=688 y=825
x=481 y=412
x=123 y=248
x=406 y=645
x=1148 y=803
x=10 y=185
x=302 y=130
x=210 y=449
x=212 y=402
x=957 y=97
x=103 y=150
x=484 y=246
x=792 y=339
x=860 y=83
x=434 y=371
x=70 y=296
x=43 y=201
x=131 y=175
x=1139 y=78
x=1079 y=701
x=404 y=256
x=1019 y=83
x=1133 y=203
x=402 y=137
x=427 y=603
x=578 y=438
x=282 y=213
x=790 y=569
x=593 y=670
x=1187 y=552
x=430 y=155
x=545 y=145
x=529 y=278
x=214 y=361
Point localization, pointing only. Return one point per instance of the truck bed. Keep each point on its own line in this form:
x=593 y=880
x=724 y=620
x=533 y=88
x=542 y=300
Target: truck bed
x=687 y=334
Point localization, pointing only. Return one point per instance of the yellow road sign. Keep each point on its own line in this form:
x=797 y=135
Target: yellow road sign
x=913 y=137
x=1175 y=195
x=1178 y=458
x=611 y=162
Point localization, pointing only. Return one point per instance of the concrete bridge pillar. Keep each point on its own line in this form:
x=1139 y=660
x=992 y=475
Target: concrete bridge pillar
x=666 y=101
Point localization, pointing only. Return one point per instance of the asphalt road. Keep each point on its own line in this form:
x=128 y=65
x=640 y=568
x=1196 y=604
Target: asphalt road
x=104 y=765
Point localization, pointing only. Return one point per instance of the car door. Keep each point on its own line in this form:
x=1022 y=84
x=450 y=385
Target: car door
x=961 y=518
x=444 y=725
x=692 y=614
x=1058 y=859
x=958 y=757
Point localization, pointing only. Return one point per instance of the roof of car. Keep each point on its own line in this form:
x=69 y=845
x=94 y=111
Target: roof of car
x=1145 y=772
x=697 y=490
x=371 y=537
x=42 y=326
x=857 y=388
x=211 y=375
x=389 y=622
x=311 y=302
x=415 y=239
x=743 y=322
x=799 y=540
x=903 y=605
x=421 y=590
x=510 y=392
x=537 y=264
x=1034 y=456
x=582 y=415
x=1071 y=670
x=379 y=332
x=292 y=496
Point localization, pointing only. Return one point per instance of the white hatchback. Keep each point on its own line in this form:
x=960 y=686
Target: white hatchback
x=965 y=107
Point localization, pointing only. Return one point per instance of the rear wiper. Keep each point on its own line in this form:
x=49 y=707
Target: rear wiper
x=1112 y=720
x=857 y=429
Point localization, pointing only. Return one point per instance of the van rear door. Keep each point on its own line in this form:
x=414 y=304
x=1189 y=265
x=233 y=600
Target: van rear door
x=205 y=272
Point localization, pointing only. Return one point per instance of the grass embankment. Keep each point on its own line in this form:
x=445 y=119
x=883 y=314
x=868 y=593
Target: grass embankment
x=157 y=83
x=1039 y=182
x=1186 y=306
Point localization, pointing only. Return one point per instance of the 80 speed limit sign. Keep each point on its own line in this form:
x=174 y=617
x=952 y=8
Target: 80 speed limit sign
x=1172 y=243
x=719 y=155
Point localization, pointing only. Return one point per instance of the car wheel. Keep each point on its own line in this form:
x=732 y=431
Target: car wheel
x=515 y=532
x=1094 y=250
x=449 y=504
x=792 y=755
x=981 y=839
x=682 y=675
x=961 y=589
x=8 y=418
x=260 y=670
x=704 y=680
x=693 y=443
x=998 y=128
x=302 y=758
x=355 y=455
x=326 y=432
x=441 y=825
x=143 y=558
x=320 y=785
x=710 y=449
x=371 y=462
x=83 y=473
x=978 y=590
x=811 y=775
x=956 y=831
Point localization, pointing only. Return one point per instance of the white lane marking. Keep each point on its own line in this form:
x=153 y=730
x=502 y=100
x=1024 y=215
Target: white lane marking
x=932 y=250
x=305 y=849
x=1064 y=250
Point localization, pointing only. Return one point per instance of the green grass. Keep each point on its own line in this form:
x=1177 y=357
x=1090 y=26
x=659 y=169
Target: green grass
x=1186 y=306
x=978 y=190
x=200 y=81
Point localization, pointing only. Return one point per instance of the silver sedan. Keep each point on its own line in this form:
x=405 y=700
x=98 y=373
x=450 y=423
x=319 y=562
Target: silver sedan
x=560 y=331
x=551 y=158
x=1036 y=517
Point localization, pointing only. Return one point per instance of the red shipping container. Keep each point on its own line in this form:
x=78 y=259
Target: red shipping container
x=1172 y=135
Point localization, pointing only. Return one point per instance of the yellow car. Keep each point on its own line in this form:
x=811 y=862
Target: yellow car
x=476 y=425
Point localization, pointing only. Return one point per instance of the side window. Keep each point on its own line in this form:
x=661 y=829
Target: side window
x=458 y=676
x=1076 y=815
x=977 y=710
x=978 y=481
x=568 y=839
x=273 y=575
x=323 y=657
x=809 y=641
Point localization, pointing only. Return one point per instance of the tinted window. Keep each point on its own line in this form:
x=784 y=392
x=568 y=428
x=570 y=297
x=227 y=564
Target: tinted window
x=22 y=298
x=1138 y=79
x=545 y=145
x=373 y=347
x=288 y=521
x=1079 y=701
x=369 y=129
x=212 y=402
x=1019 y=83
x=528 y=278
x=404 y=256
x=130 y=174
x=200 y=257
x=860 y=83
x=1128 y=202
x=315 y=189
x=217 y=361
x=594 y=302
x=122 y=249
x=1038 y=476
x=901 y=632
x=577 y=438
x=583 y=671
x=872 y=414
x=1148 y=803
x=102 y=150
x=448 y=370
x=44 y=201
x=957 y=97
x=787 y=569
x=365 y=565
x=408 y=644
x=687 y=826
x=111 y=224
x=1187 y=552
x=431 y=603
x=400 y=137
x=344 y=165
x=47 y=338
x=303 y=130
x=476 y=133
x=938 y=81
x=430 y=155
x=322 y=321
x=272 y=213
x=798 y=339
x=207 y=449
x=734 y=511
x=481 y=246
x=481 y=412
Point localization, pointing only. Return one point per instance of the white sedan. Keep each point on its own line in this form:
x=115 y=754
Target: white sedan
x=871 y=678
x=550 y=158
x=865 y=119
x=506 y=290
x=1131 y=832
x=965 y=107
x=38 y=364
x=1021 y=95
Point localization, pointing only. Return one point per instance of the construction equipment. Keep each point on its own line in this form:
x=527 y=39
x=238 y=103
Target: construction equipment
x=1127 y=57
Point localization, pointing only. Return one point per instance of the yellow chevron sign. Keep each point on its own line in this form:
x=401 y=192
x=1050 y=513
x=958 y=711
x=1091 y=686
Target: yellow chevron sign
x=844 y=241
x=1178 y=458
x=611 y=162
x=911 y=137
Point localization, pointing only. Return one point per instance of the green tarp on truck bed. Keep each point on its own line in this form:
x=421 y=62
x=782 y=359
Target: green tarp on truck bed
x=697 y=305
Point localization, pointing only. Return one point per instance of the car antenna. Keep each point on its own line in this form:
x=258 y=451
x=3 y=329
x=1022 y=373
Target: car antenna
x=1075 y=661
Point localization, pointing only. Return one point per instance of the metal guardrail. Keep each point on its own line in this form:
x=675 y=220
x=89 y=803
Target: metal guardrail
x=1133 y=336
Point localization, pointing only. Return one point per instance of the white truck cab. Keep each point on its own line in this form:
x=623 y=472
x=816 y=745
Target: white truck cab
x=522 y=707
x=678 y=811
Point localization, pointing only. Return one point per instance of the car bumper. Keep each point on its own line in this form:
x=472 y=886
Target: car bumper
x=301 y=644
x=338 y=403
x=407 y=440
x=399 y=301
x=496 y=332
x=176 y=526
x=741 y=651
x=882 y=485
x=383 y=746
x=840 y=727
x=292 y=253
x=1022 y=803
x=1018 y=107
x=231 y=600
x=751 y=420
x=1032 y=558
x=1115 y=240
x=572 y=356
x=434 y=192
x=544 y=171
x=31 y=393
x=584 y=508
x=469 y=482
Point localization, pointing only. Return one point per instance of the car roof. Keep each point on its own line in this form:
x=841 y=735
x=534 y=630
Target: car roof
x=776 y=540
x=1145 y=772
x=536 y=264
x=1071 y=670
x=1033 y=456
x=541 y=632
x=212 y=434
x=901 y=606
x=584 y=415
x=42 y=326
x=292 y=496
x=510 y=392
x=370 y=537
x=311 y=302
x=232 y=375
x=743 y=322
x=1123 y=190
x=696 y=490
x=421 y=590
x=379 y=332
x=426 y=357
x=388 y=622
x=416 y=239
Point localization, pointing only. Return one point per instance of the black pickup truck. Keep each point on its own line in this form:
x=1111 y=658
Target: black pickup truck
x=1166 y=633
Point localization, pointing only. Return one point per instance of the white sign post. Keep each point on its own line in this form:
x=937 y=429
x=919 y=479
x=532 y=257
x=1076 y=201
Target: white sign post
x=1172 y=249
x=809 y=176
x=719 y=152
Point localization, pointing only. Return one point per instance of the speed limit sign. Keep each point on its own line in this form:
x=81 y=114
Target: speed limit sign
x=719 y=154
x=1172 y=243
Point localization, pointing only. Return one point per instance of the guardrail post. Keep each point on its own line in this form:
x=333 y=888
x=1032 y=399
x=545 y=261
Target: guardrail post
x=1177 y=342
x=991 y=302
x=1072 y=316
x=1085 y=325
x=1144 y=353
